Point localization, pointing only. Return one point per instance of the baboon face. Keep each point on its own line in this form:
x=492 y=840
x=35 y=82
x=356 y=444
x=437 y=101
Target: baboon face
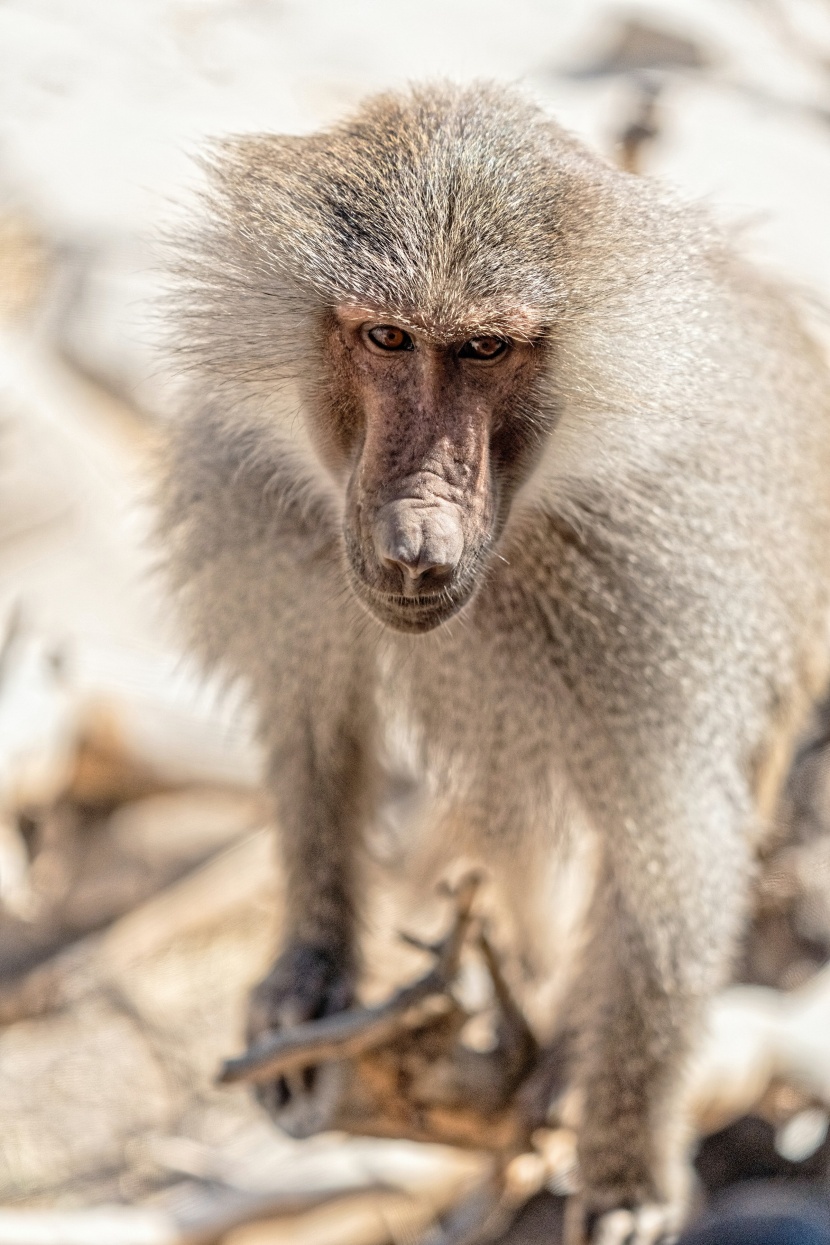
x=434 y=436
x=410 y=270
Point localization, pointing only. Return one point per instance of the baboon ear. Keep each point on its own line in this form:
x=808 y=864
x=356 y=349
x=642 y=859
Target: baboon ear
x=241 y=294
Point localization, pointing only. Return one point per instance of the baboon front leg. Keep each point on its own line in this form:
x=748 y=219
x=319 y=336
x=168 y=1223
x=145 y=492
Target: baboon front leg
x=655 y=958
x=631 y=1149
x=320 y=797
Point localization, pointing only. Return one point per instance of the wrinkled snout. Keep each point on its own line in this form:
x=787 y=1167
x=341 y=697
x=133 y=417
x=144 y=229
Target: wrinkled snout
x=419 y=541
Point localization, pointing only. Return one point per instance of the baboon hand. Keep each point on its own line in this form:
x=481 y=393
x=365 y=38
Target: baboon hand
x=305 y=983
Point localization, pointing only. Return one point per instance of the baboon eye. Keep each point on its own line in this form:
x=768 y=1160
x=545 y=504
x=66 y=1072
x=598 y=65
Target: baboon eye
x=487 y=347
x=390 y=337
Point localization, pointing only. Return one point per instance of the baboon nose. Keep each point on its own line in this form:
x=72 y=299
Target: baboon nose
x=420 y=540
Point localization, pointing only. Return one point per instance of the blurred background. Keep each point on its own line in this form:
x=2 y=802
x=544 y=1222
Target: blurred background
x=138 y=898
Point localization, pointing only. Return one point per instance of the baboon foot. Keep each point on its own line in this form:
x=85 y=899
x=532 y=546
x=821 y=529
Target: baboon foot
x=649 y=1223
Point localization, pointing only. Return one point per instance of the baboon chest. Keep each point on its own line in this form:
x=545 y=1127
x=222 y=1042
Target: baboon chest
x=463 y=726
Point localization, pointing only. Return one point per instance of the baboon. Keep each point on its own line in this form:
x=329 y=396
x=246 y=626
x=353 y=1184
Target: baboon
x=500 y=468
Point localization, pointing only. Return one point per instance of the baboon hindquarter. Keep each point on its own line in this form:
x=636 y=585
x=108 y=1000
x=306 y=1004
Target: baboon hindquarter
x=501 y=468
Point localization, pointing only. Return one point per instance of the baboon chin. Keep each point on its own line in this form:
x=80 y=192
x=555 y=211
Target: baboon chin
x=525 y=372
x=413 y=616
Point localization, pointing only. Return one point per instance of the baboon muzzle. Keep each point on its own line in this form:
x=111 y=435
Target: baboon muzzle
x=419 y=508
x=419 y=541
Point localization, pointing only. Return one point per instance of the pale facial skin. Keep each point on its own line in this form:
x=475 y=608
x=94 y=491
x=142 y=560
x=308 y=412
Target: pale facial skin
x=429 y=439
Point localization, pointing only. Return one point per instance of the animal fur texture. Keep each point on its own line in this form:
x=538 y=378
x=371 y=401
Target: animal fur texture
x=637 y=629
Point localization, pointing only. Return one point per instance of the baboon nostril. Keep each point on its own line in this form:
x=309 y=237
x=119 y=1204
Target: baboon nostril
x=420 y=571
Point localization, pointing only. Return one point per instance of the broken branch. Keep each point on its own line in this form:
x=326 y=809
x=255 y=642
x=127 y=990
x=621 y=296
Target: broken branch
x=354 y=1032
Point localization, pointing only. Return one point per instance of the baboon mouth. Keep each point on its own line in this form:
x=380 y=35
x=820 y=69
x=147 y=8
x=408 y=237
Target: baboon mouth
x=415 y=615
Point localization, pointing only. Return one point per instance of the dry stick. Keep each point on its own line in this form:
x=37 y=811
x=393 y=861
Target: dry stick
x=519 y=1032
x=334 y=1037
x=353 y=1032
x=138 y=1225
x=209 y=894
